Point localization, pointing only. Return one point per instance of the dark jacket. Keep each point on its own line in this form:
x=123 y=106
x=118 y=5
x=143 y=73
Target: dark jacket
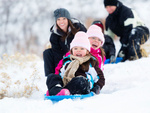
x=94 y=74
x=57 y=44
x=109 y=47
x=58 y=47
x=122 y=21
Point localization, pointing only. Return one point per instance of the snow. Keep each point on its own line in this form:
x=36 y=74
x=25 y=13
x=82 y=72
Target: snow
x=127 y=88
x=23 y=84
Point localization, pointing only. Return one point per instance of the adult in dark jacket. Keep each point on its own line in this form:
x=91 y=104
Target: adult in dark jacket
x=109 y=46
x=125 y=23
x=62 y=33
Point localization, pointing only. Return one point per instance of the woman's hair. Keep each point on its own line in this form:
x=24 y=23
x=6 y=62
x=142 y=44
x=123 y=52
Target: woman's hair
x=102 y=53
x=73 y=30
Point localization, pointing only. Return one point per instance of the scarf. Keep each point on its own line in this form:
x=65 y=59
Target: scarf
x=73 y=66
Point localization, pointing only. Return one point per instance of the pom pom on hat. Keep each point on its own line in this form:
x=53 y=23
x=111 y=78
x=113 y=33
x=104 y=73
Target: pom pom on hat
x=98 y=23
x=95 y=31
x=61 y=12
x=81 y=40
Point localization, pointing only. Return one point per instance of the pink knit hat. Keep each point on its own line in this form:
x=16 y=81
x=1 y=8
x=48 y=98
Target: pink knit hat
x=81 y=39
x=95 y=31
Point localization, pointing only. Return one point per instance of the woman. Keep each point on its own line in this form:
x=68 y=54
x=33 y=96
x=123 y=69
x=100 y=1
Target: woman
x=62 y=33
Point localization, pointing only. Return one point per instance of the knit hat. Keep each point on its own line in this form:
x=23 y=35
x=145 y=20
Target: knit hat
x=95 y=31
x=99 y=23
x=81 y=39
x=61 y=12
x=110 y=2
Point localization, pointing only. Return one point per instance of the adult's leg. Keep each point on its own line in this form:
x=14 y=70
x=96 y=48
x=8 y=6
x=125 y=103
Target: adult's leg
x=48 y=58
x=138 y=36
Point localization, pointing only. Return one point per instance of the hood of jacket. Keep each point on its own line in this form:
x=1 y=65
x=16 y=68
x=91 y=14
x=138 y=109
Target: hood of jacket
x=116 y=12
x=54 y=29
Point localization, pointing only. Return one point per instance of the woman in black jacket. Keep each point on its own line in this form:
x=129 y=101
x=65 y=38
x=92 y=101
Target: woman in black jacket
x=62 y=33
x=125 y=23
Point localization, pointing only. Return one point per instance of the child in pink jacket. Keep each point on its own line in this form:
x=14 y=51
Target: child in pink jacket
x=97 y=40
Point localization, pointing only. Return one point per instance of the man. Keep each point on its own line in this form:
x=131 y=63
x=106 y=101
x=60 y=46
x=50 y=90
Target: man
x=124 y=22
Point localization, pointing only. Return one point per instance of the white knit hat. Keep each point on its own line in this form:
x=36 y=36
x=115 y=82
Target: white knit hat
x=95 y=31
x=81 y=39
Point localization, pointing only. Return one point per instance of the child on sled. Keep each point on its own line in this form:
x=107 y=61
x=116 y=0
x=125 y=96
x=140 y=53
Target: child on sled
x=97 y=40
x=80 y=73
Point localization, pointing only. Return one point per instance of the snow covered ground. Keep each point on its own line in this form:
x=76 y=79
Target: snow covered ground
x=127 y=88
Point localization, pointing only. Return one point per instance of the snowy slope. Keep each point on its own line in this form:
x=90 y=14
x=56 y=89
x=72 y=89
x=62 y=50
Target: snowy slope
x=22 y=81
x=127 y=90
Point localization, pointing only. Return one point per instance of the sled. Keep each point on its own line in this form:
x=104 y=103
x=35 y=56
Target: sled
x=59 y=98
x=118 y=59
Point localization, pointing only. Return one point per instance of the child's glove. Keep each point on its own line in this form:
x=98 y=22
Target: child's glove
x=96 y=89
x=112 y=59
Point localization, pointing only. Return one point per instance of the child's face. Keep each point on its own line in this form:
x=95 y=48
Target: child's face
x=79 y=51
x=62 y=22
x=95 y=42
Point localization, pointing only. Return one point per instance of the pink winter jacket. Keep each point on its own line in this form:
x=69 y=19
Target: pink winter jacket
x=60 y=64
x=96 y=53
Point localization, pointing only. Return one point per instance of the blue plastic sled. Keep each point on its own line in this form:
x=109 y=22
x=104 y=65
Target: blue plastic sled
x=118 y=59
x=58 y=98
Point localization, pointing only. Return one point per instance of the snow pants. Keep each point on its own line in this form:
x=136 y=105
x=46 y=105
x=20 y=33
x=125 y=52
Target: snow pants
x=138 y=36
x=78 y=85
x=51 y=59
